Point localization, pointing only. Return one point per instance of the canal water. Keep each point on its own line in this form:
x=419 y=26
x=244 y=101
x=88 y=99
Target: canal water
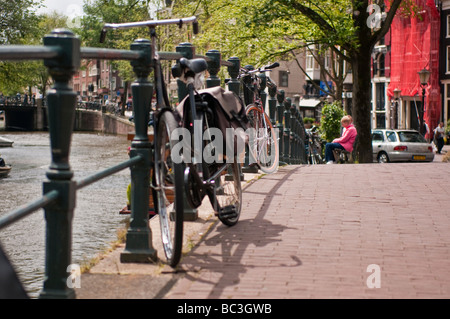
x=96 y=219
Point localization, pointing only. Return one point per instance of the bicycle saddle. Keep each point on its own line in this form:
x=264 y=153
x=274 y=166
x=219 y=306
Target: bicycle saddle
x=194 y=65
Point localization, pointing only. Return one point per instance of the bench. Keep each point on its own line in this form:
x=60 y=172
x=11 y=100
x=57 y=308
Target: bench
x=342 y=156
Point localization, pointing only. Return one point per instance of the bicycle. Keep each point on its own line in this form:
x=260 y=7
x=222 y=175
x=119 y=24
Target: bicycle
x=314 y=151
x=263 y=140
x=167 y=184
x=209 y=172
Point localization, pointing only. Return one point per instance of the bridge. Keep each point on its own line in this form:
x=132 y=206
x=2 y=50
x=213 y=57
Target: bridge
x=24 y=117
x=62 y=55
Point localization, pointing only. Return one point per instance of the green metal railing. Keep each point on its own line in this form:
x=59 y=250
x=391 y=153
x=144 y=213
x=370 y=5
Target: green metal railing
x=62 y=55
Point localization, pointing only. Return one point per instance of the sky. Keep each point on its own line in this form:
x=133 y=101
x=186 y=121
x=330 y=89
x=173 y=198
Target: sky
x=66 y=7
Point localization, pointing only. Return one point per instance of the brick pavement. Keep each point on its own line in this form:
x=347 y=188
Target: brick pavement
x=313 y=231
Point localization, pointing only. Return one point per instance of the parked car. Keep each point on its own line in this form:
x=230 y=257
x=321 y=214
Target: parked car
x=400 y=145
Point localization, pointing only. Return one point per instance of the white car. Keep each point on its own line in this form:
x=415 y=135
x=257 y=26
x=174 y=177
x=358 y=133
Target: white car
x=400 y=146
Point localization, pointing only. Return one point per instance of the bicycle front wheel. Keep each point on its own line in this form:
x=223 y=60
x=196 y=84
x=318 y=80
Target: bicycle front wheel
x=168 y=190
x=263 y=140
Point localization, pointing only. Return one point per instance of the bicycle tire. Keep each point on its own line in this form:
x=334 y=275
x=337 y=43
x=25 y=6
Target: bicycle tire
x=230 y=198
x=168 y=190
x=263 y=142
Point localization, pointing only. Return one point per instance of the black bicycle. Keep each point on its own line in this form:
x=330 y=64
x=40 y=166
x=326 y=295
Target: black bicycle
x=213 y=165
x=314 y=146
x=167 y=181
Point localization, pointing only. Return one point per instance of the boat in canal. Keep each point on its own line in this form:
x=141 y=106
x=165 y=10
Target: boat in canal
x=5 y=142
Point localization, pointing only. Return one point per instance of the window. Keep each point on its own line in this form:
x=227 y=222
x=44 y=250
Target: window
x=448 y=26
x=377 y=136
x=380 y=96
x=284 y=78
x=391 y=136
x=309 y=62
x=448 y=60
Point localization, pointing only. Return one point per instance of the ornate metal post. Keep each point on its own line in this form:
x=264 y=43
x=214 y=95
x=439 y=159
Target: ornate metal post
x=188 y=51
x=213 y=68
x=61 y=113
x=287 y=131
x=138 y=246
x=234 y=85
x=248 y=90
x=280 y=107
x=294 y=135
x=272 y=104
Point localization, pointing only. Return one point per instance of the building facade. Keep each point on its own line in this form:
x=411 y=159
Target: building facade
x=97 y=81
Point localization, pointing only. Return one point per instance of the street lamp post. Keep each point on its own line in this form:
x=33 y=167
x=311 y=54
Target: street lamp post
x=424 y=76
x=396 y=98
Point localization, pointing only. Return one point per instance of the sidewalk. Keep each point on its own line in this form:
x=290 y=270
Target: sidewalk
x=321 y=231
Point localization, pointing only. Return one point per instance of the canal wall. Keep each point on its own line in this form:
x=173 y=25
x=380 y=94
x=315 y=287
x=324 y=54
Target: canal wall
x=94 y=121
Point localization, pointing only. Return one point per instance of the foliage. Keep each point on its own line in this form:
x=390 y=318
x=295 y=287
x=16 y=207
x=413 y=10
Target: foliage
x=330 y=123
x=18 y=25
x=308 y=120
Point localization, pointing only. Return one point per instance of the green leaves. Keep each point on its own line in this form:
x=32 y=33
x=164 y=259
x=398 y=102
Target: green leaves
x=330 y=123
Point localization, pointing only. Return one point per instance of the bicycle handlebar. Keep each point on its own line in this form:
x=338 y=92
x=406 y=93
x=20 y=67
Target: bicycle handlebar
x=150 y=24
x=267 y=68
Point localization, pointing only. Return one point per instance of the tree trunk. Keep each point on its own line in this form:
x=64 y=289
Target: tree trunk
x=361 y=108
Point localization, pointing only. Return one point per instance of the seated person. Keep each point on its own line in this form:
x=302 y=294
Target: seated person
x=345 y=142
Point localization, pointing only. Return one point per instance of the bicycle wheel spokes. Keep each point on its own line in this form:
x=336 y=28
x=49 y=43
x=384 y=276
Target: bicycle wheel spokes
x=229 y=195
x=263 y=141
x=168 y=190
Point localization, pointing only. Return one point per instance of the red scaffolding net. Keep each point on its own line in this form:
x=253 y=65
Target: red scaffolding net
x=415 y=46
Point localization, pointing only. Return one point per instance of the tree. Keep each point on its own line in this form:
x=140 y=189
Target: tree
x=18 y=24
x=365 y=32
x=98 y=12
x=260 y=29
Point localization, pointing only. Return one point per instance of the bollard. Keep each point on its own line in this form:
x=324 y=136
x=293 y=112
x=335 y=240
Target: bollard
x=188 y=51
x=61 y=114
x=138 y=246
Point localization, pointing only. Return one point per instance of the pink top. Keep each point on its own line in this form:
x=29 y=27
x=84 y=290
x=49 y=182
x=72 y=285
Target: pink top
x=348 y=138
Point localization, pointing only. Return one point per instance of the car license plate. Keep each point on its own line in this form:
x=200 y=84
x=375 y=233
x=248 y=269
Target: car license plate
x=419 y=157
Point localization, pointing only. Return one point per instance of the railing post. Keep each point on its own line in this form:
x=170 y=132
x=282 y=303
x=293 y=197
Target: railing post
x=287 y=131
x=272 y=103
x=280 y=98
x=138 y=246
x=59 y=215
x=303 y=137
x=234 y=84
x=247 y=89
x=187 y=50
x=294 y=135
x=213 y=68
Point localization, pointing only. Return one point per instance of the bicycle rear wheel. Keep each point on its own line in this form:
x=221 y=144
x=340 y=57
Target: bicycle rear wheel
x=263 y=140
x=168 y=190
x=229 y=195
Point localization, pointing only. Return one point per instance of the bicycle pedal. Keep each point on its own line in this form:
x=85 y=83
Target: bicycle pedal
x=228 y=212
